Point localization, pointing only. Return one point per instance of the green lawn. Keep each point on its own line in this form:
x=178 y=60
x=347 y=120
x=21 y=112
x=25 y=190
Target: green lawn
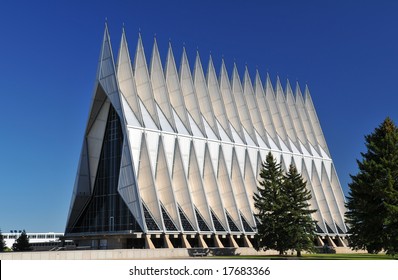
x=319 y=257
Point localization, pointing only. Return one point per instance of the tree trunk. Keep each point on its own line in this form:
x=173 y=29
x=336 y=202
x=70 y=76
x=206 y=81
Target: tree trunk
x=298 y=253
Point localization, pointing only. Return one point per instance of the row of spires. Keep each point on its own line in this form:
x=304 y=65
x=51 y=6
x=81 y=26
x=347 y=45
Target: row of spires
x=266 y=90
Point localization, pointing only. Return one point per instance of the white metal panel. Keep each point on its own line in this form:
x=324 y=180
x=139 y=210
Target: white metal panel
x=189 y=93
x=228 y=150
x=318 y=215
x=175 y=92
x=169 y=145
x=163 y=121
x=296 y=121
x=181 y=189
x=252 y=106
x=195 y=129
x=331 y=199
x=209 y=131
x=236 y=137
x=274 y=110
x=199 y=145
x=284 y=148
x=159 y=88
x=197 y=189
x=229 y=103
x=328 y=168
x=185 y=147
x=253 y=158
x=214 y=149
x=304 y=150
x=323 y=153
x=261 y=143
x=202 y=94
x=95 y=138
x=249 y=139
x=135 y=146
x=181 y=129
x=227 y=193
x=284 y=112
x=293 y=146
x=129 y=115
x=314 y=152
x=285 y=162
x=321 y=199
x=308 y=165
x=164 y=186
x=143 y=84
x=126 y=79
x=216 y=99
x=127 y=185
x=250 y=181
x=314 y=121
x=273 y=145
x=213 y=191
x=302 y=112
x=152 y=140
x=264 y=110
x=240 y=194
x=148 y=121
x=146 y=183
x=223 y=134
x=243 y=111
x=339 y=195
x=240 y=153
x=318 y=167
x=106 y=74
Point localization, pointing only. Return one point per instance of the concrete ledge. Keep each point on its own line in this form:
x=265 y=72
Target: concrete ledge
x=137 y=254
x=118 y=254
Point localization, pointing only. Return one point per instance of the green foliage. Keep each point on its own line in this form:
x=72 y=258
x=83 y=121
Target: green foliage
x=285 y=221
x=22 y=243
x=2 y=243
x=300 y=226
x=373 y=198
x=271 y=233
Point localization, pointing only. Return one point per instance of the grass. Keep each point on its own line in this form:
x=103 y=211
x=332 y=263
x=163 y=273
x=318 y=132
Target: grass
x=319 y=257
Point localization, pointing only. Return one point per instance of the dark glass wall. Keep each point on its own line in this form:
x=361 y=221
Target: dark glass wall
x=106 y=210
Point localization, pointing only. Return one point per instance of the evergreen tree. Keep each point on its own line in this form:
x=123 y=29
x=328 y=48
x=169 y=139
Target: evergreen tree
x=2 y=243
x=372 y=203
x=270 y=203
x=300 y=226
x=22 y=243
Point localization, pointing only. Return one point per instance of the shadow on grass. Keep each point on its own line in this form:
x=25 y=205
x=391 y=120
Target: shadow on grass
x=319 y=257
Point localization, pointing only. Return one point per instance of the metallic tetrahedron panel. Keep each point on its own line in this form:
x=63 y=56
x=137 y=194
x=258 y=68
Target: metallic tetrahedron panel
x=190 y=146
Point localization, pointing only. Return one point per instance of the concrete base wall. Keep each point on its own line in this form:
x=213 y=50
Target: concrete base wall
x=129 y=254
x=124 y=254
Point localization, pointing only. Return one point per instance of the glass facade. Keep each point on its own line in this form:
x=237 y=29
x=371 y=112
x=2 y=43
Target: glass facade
x=186 y=224
x=106 y=210
x=232 y=225
x=217 y=224
x=246 y=225
x=201 y=222
x=168 y=222
x=149 y=220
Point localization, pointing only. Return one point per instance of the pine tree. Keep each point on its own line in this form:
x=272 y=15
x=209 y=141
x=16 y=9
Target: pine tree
x=300 y=226
x=2 y=243
x=372 y=203
x=270 y=204
x=22 y=243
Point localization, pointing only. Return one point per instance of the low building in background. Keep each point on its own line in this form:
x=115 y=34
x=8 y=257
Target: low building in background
x=39 y=241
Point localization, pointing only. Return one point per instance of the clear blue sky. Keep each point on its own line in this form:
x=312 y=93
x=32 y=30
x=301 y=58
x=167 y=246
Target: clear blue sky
x=347 y=52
